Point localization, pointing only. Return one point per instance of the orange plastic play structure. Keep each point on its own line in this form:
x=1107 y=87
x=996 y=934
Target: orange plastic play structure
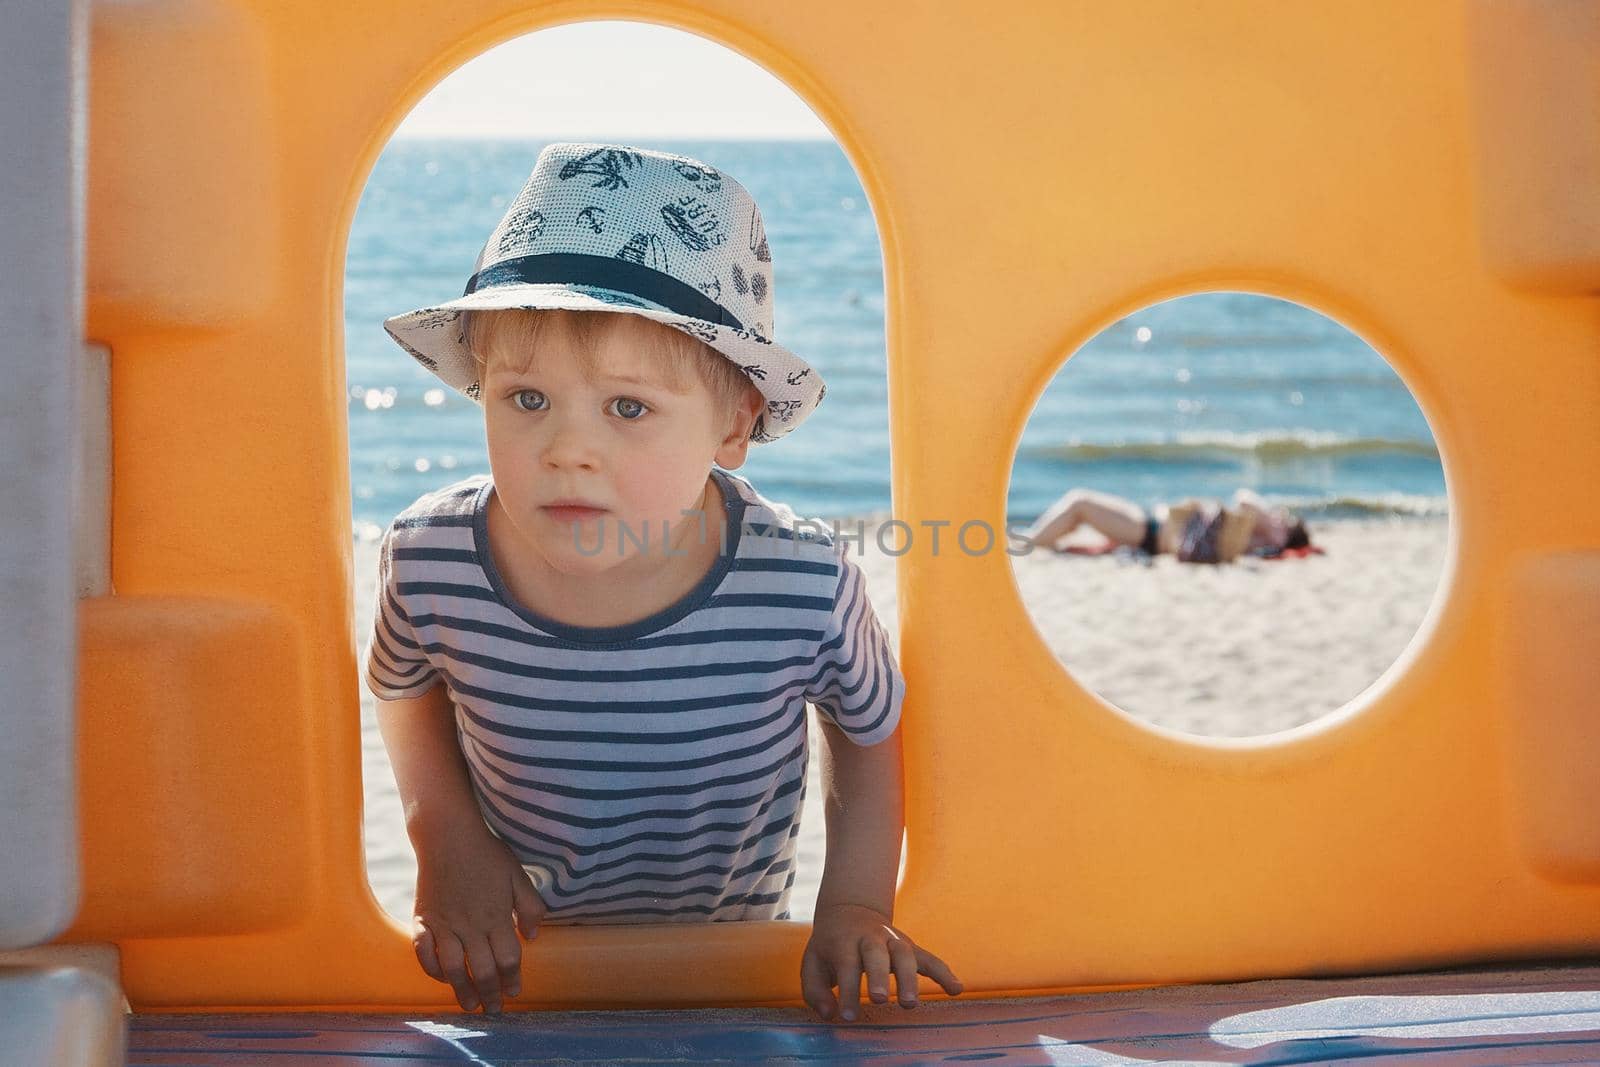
x=1423 y=173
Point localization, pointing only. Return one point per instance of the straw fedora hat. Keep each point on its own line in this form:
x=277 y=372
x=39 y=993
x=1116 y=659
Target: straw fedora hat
x=629 y=231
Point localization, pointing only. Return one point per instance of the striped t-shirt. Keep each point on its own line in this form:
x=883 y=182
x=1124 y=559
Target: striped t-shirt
x=653 y=771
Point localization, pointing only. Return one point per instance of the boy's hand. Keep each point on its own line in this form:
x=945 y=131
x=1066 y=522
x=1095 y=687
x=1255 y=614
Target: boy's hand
x=849 y=939
x=469 y=884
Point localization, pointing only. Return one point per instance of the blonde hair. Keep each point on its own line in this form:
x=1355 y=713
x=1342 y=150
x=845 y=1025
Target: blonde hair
x=678 y=356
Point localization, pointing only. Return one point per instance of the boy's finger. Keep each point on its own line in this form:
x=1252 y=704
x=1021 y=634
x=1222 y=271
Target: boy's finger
x=427 y=954
x=507 y=959
x=848 y=968
x=935 y=968
x=485 y=975
x=816 y=984
x=905 y=971
x=875 y=961
x=453 y=962
x=528 y=904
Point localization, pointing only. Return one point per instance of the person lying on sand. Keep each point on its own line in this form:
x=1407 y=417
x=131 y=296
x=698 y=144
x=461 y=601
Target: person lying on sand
x=1195 y=529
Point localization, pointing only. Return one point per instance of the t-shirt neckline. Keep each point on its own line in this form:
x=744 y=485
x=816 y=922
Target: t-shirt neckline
x=734 y=505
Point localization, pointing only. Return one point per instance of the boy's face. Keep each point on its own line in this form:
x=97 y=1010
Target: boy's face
x=623 y=441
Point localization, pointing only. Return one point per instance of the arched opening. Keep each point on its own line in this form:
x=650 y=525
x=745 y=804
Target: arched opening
x=439 y=189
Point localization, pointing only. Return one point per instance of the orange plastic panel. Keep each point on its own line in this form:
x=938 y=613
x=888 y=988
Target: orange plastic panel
x=1552 y=627
x=194 y=800
x=1536 y=94
x=1034 y=178
x=187 y=225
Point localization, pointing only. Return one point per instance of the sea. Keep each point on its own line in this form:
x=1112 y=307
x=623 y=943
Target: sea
x=1195 y=396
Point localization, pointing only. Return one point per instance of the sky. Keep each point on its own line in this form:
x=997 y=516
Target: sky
x=656 y=82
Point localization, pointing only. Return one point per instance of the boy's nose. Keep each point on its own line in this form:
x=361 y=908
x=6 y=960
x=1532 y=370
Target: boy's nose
x=568 y=445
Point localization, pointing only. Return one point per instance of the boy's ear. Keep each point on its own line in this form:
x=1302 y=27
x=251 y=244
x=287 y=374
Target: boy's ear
x=735 y=445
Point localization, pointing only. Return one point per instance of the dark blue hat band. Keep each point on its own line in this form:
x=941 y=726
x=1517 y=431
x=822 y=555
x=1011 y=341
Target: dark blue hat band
x=605 y=272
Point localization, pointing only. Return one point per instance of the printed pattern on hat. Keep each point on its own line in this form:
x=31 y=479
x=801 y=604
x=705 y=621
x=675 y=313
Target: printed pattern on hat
x=696 y=249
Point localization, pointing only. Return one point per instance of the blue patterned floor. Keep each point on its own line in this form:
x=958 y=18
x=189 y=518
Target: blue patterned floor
x=1505 y=1014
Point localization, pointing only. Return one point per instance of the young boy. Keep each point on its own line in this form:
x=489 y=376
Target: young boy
x=593 y=663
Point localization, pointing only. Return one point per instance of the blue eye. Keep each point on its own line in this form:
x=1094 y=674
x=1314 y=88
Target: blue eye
x=628 y=400
x=629 y=409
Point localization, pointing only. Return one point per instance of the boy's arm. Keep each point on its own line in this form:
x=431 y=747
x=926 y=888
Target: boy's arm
x=472 y=892
x=429 y=769
x=865 y=820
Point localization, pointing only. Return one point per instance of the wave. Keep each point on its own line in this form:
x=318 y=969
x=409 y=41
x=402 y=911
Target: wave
x=1202 y=381
x=1386 y=505
x=1316 y=509
x=1169 y=339
x=1268 y=447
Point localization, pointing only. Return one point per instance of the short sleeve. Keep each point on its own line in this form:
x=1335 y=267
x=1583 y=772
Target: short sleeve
x=397 y=667
x=857 y=684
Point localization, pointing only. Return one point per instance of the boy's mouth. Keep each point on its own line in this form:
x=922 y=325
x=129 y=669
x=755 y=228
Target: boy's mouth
x=565 y=512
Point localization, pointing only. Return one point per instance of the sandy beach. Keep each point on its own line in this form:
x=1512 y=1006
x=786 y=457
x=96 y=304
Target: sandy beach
x=1242 y=649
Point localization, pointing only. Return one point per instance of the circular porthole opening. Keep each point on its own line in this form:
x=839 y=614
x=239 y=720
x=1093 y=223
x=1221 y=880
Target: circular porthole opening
x=1232 y=512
